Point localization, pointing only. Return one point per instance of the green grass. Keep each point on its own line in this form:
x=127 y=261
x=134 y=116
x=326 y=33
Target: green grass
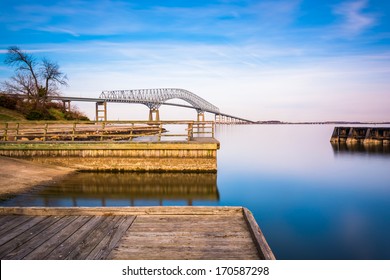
x=10 y=115
x=6 y=118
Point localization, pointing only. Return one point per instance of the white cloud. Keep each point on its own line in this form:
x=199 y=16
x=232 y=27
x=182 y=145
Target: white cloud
x=354 y=20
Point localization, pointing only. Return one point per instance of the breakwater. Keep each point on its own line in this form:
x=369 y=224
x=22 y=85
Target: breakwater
x=361 y=135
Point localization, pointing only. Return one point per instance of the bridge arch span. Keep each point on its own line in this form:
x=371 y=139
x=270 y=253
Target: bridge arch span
x=154 y=98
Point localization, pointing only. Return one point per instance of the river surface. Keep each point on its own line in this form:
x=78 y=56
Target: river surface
x=311 y=200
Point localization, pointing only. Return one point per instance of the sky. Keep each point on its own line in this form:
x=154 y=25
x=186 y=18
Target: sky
x=288 y=60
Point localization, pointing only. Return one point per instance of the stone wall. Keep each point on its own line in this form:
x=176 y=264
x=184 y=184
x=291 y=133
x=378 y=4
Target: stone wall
x=159 y=156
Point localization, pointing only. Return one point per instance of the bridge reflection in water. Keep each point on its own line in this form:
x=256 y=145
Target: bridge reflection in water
x=124 y=189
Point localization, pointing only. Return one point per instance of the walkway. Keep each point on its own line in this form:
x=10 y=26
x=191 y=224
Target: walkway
x=131 y=233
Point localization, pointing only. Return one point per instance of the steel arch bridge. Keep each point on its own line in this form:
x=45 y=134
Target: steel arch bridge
x=154 y=98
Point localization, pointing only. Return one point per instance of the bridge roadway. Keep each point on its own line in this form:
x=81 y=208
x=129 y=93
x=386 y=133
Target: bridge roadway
x=219 y=117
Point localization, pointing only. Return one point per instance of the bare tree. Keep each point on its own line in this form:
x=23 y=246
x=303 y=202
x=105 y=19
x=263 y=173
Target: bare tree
x=36 y=80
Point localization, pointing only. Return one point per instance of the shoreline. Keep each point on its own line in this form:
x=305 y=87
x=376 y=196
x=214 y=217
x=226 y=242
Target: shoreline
x=17 y=175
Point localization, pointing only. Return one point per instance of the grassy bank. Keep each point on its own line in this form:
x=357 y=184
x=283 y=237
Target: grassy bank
x=10 y=115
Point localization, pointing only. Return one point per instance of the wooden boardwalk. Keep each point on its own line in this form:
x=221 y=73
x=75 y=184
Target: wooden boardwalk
x=131 y=233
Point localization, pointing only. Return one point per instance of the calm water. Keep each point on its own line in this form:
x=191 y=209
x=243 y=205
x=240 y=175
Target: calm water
x=311 y=200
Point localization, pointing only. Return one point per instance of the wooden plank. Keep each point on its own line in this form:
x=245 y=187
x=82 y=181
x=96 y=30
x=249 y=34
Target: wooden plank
x=12 y=222
x=155 y=210
x=189 y=241
x=76 y=236
x=261 y=243
x=181 y=228
x=181 y=237
x=210 y=220
x=20 y=229
x=111 y=238
x=71 y=225
x=208 y=223
x=163 y=253
x=183 y=234
x=84 y=248
x=153 y=219
x=35 y=242
x=4 y=219
x=26 y=235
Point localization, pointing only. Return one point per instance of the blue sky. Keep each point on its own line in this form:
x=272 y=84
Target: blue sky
x=289 y=60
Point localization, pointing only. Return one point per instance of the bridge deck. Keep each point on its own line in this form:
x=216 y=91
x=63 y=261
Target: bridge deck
x=131 y=233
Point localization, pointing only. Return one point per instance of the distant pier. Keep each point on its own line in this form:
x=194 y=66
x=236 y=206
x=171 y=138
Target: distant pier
x=114 y=146
x=361 y=135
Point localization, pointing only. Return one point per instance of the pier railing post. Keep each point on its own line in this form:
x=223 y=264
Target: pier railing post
x=73 y=131
x=102 y=130
x=131 y=131
x=159 y=132
x=17 y=132
x=190 y=131
x=5 y=138
x=45 y=131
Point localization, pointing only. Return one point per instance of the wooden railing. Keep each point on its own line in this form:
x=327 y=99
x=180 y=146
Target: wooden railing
x=49 y=131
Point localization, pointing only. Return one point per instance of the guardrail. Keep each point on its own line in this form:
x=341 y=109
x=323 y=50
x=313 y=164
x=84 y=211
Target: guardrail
x=51 y=131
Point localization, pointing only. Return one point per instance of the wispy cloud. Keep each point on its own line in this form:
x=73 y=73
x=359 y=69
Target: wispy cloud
x=121 y=18
x=52 y=29
x=73 y=17
x=354 y=20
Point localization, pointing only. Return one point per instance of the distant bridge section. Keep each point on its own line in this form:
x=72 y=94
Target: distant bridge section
x=154 y=98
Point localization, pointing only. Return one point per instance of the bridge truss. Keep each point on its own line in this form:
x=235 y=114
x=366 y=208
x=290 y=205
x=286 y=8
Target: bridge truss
x=154 y=98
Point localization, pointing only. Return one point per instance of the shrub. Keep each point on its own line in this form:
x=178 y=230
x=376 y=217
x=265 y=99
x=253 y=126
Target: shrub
x=35 y=115
x=8 y=102
x=56 y=114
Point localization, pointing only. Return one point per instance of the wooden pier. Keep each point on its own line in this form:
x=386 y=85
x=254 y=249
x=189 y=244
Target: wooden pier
x=131 y=233
x=361 y=135
x=114 y=146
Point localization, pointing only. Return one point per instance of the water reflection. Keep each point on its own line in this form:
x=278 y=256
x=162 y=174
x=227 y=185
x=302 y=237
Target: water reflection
x=310 y=200
x=125 y=189
x=360 y=149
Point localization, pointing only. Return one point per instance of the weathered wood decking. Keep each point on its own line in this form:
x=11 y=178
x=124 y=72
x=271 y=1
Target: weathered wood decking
x=131 y=233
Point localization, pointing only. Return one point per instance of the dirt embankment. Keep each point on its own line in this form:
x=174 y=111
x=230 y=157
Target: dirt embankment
x=18 y=175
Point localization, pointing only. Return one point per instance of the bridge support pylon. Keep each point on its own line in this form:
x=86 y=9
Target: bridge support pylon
x=217 y=118
x=154 y=113
x=66 y=105
x=101 y=111
x=200 y=117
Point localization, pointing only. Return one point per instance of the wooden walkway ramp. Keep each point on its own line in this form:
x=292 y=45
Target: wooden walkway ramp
x=131 y=233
